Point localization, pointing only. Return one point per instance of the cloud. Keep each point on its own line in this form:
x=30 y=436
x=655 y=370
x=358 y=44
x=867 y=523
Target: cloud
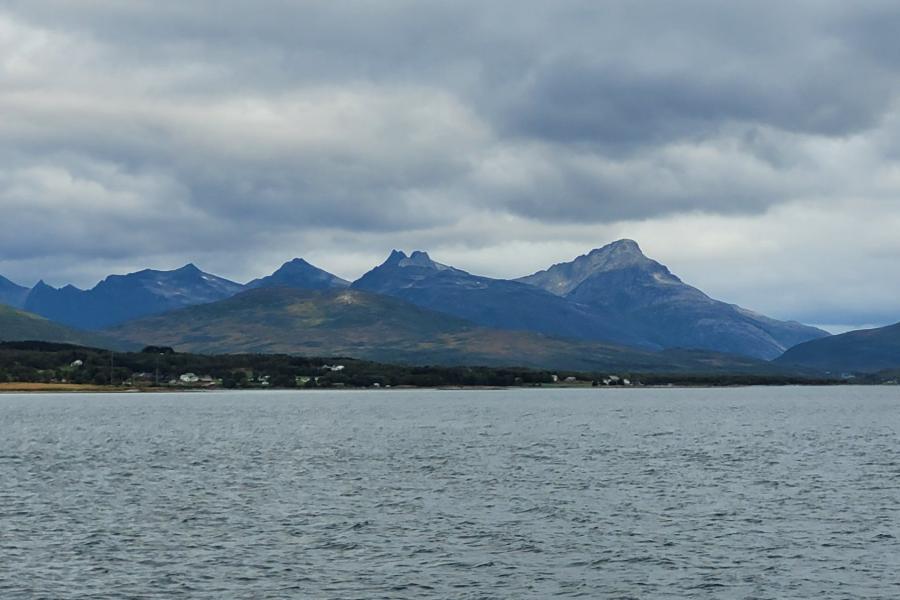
x=503 y=136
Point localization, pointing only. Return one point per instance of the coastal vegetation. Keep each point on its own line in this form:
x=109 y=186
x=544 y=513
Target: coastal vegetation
x=158 y=367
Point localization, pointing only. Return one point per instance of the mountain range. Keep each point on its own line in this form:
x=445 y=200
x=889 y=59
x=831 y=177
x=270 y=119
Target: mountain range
x=614 y=297
x=119 y=298
x=495 y=303
x=359 y=324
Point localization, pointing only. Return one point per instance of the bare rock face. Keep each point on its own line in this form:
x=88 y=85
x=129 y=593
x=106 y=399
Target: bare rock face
x=495 y=303
x=621 y=283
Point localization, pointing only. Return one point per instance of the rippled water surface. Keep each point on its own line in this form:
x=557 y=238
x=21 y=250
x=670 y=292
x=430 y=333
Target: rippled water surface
x=741 y=493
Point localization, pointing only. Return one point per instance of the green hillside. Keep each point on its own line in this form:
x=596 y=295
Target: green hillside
x=17 y=325
x=362 y=325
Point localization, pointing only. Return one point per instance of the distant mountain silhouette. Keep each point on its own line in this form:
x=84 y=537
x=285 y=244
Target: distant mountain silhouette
x=861 y=351
x=119 y=298
x=621 y=284
x=360 y=324
x=494 y=303
x=614 y=295
x=12 y=294
x=300 y=274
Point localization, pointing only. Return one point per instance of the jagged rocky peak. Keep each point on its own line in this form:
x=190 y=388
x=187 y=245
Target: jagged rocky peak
x=564 y=277
x=421 y=259
x=618 y=255
x=395 y=257
x=418 y=258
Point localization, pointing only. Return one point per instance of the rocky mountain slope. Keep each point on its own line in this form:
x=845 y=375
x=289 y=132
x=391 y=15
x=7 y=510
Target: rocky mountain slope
x=618 y=282
x=494 y=303
x=359 y=324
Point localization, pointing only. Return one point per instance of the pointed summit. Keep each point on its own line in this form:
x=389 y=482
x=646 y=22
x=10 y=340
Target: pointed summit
x=643 y=295
x=562 y=278
x=625 y=243
x=394 y=258
x=419 y=258
x=400 y=270
x=623 y=246
x=482 y=300
x=299 y=274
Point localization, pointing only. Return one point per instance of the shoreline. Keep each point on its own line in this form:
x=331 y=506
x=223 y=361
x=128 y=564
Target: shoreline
x=67 y=388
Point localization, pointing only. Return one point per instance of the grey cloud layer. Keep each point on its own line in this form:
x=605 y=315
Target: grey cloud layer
x=156 y=132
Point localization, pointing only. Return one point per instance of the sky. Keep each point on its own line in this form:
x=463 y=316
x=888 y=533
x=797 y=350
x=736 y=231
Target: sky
x=754 y=148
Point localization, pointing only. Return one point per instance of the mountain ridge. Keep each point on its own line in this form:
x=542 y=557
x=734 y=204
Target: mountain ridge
x=17 y=326
x=613 y=294
x=619 y=281
x=360 y=324
x=298 y=273
x=493 y=303
x=119 y=298
x=860 y=351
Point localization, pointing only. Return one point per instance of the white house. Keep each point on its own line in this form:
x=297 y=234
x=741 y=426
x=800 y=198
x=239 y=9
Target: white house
x=189 y=378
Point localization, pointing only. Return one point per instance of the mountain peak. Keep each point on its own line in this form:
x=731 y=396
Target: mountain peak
x=625 y=246
x=395 y=257
x=418 y=258
x=295 y=265
x=299 y=274
x=562 y=278
x=189 y=268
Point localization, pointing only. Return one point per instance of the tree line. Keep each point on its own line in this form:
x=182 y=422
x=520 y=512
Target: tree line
x=47 y=362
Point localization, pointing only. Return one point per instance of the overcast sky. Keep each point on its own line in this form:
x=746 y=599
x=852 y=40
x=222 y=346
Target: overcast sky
x=754 y=148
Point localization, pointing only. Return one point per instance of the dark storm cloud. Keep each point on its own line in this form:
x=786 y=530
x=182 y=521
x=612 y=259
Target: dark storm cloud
x=174 y=129
x=615 y=106
x=607 y=79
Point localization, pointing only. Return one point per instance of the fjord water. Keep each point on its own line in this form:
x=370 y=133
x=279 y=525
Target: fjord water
x=735 y=493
